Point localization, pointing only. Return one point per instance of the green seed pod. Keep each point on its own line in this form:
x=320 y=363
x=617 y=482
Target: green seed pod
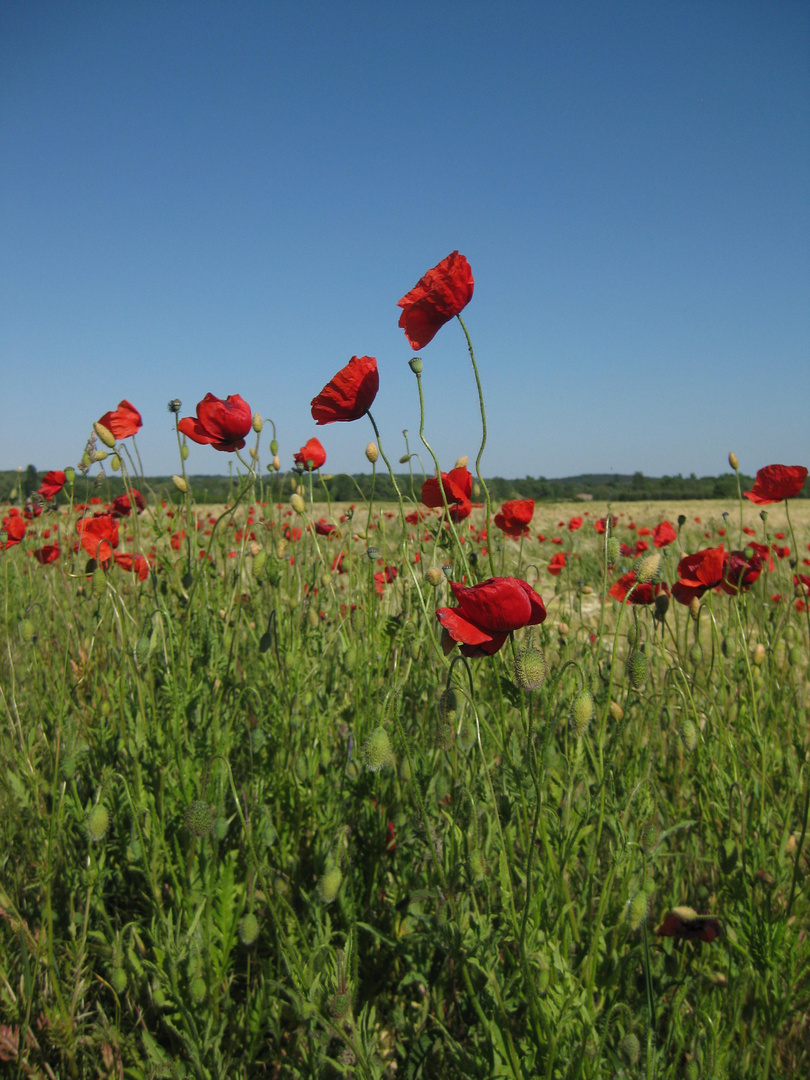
x=198 y=990
x=696 y=655
x=377 y=750
x=199 y=818
x=329 y=884
x=415 y=364
x=639 y=907
x=248 y=928
x=581 y=712
x=689 y=734
x=98 y=821
x=630 y=1049
x=27 y=630
x=612 y=551
x=119 y=980
x=143 y=647
x=637 y=669
x=530 y=668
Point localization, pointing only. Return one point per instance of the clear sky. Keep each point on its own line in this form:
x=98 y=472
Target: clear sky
x=231 y=197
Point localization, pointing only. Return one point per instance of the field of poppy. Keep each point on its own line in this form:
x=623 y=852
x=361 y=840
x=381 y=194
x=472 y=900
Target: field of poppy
x=432 y=787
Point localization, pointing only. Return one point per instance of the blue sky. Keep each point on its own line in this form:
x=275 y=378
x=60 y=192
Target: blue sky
x=232 y=198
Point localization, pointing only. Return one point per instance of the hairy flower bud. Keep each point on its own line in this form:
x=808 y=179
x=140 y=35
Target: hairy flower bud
x=434 y=577
x=530 y=668
x=462 y=462
x=297 y=503
x=329 y=884
x=199 y=818
x=581 y=712
x=98 y=821
x=180 y=483
x=248 y=928
x=733 y=461
x=377 y=750
x=637 y=669
x=372 y=452
x=258 y=423
x=104 y=434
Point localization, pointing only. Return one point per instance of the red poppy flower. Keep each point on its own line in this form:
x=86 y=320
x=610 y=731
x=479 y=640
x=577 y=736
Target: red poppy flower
x=457 y=486
x=127 y=560
x=121 y=506
x=98 y=535
x=123 y=421
x=689 y=925
x=777 y=482
x=641 y=594
x=664 y=534
x=557 y=564
x=601 y=525
x=52 y=484
x=349 y=394
x=515 y=516
x=15 y=530
x=324 y=527
x=311 y=455
x=699 y=572
x=740 y=571
x=47 y=554
x=383 y=578
x=574 y=524
x=221 y=424
x=437 y=298
x=487 y=612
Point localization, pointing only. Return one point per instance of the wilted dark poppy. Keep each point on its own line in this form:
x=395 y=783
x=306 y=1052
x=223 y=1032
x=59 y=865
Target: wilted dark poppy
x=221 y=424
x=52 y=484
x=98 y=535
x=487 y=612
x=514 y=516
x=777 y=482
x=689 y=925
x=311 y=455
x=47 y=554
x=121 y=506
x=127 y=561
x=457 y=486
x=699 y=572
x=349 y=394
x=123 y=421
x=324 y=527
x=436 y=298
x=663 y=534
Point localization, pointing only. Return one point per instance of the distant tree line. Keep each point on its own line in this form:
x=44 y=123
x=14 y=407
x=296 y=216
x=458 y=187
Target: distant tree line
x=599 y=487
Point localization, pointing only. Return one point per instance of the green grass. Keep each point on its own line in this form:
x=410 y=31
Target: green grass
x=201 y=877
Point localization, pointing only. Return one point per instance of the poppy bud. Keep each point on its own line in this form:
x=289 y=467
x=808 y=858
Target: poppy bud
x=795 y=656
x=689 y=735
x=329 y=884
x=648 y=567
x=462 y=462
x=297 y=503
x=638 y=910
x=415 y=364
x=694 y=607
x=27 y=631
x=258 y=423
x=199 y=819
x=405 y=459
x=377 y=750
x=616 y=711
x=276 y=463
x=637 y=669
x=733 y=461
x=434 y=577
x=612 y=551
x=758 y=655
x=630 y=1049
x=649 y=839
x=273 y=447
x=477 y=864
x=115 y=464
x=696 y=655
x=372 y=453
x=98 y=821
x=248 y=929
x=339 y=1005
x=254 y=453
x=98 y=455
x=180 y=483
x=143 y=647
x=119 y=980
x=198 y=990
x=661 y=606
x=530 y=668
x=184 y=452
x=104 y=434
x=581 y=712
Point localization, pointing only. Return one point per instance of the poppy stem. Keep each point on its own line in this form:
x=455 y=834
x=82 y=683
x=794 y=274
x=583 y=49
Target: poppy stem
x=481 y=480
